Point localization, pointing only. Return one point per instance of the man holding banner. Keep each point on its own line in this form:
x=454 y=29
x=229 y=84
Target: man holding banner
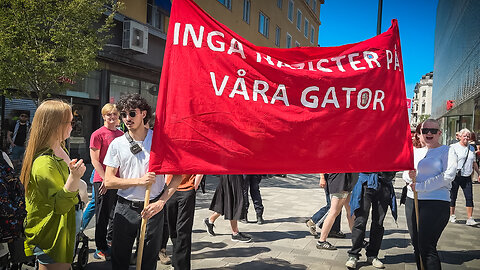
x=129 y=155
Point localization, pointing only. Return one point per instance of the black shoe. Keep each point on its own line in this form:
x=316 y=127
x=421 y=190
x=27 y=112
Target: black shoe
x=365 y=244
x=260 y=220
x=244 y=220
x=240 y=237
x=339 y=234
x=209 y=227
x=325 y=245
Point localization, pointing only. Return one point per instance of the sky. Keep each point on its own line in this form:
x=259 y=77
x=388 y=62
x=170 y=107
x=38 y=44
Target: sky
x=351 y=21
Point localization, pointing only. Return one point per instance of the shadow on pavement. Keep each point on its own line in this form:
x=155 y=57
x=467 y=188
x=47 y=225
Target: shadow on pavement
x=259 y=237
x=196 y=246
x=231 y=252
x=267 y=263
x=458 y=257
x=395 y=242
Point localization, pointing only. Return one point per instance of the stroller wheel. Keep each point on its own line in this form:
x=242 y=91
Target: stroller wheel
x=82 y=258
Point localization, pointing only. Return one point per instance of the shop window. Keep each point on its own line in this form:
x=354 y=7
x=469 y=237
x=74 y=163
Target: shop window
x=150 y=92
x=120 y=86
x=86 y=87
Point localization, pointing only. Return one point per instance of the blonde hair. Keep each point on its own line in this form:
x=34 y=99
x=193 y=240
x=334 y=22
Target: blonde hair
x=108 y=108
x=49 y=122
x=463 y=131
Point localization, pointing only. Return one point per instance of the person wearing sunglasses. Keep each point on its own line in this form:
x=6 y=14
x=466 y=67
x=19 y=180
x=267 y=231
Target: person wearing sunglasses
x=435 y=166
x=127 y=161
x=465 y=166
x=105 y=200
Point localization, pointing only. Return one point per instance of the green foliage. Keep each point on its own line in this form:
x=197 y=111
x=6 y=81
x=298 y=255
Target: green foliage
x=423 y=117
x=43 y=41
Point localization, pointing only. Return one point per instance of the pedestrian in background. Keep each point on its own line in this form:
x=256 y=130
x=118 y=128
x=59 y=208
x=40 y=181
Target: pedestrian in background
x=51 y=180
x=252 y=182
x=228 y=201
x=435 y=168
x=105 y=200
x=465 y=166
x=17 y=137
x=319 y=217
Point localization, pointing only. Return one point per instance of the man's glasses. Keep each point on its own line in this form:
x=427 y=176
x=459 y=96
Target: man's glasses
x=130 y=113
x=431 y=130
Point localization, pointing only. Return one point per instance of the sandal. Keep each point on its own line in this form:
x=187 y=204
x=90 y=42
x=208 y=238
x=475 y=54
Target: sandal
x=325 y=245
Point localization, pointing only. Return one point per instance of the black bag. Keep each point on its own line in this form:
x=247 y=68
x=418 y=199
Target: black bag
x=459 y=172
x=12 y=203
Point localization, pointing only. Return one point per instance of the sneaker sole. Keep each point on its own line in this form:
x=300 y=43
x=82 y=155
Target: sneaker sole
x=241 y=241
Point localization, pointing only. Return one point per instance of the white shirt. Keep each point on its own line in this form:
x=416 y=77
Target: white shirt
x=461 y=152
x=133 y=166
x=436 y=169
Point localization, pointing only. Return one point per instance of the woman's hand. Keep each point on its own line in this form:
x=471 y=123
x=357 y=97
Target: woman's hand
x=412 y=186
x=77 y=168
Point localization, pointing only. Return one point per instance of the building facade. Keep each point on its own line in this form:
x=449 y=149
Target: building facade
x=269 y=23
x=422 y=100
x=457 y=67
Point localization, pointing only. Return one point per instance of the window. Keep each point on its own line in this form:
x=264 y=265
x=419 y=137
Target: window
x=305 y=28
x=423 y=108
x=277 y=36
x=263 y=23
x=314 y=6
x=308 y=2
x=246 y=11
x=424 y=93
x=299 y=19
x=155 y=17
x=289 y=41
x=290 y=10
x=312 y=35
x=279 y=4
x=226 y=3
x=297 y=44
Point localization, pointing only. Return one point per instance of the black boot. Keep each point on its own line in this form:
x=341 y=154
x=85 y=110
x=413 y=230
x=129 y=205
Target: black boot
x=260 y=219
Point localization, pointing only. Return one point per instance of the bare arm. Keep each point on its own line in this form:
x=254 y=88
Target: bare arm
x=95 y=157
x=154 y=208
x=9 y=138
x=111 y=181
x=198 y=179
x=323 y=182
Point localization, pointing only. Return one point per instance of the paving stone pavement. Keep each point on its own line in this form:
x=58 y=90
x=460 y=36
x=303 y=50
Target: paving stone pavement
x=283 y=242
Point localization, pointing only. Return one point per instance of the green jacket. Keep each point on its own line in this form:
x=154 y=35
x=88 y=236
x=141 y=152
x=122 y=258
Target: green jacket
x=50 y=222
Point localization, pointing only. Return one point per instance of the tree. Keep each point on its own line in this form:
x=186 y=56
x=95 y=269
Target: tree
x=423 y=117
x=44 y=43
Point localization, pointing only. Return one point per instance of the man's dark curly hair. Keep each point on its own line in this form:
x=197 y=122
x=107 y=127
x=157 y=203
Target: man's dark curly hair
x=133 y=101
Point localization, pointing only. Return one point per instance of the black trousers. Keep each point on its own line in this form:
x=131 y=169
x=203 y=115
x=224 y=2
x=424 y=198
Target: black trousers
x=164 y=238
x=104 y=207
x=252 y=181
x=379 y=201
x=433 y=216
x=465 y=182
x=180 y=212
x=126 y=224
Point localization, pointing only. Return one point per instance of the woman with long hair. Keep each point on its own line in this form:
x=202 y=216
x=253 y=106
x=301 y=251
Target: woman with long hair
x=51 y=180
x=435 y=168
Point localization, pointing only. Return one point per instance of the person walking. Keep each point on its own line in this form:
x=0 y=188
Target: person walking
x=105 y=200
x=252 y=182
x=128 y=156
x=340 y=186
x=465 y=166
x=373 y=191
x=435 y=168
x=319 y=216
x=51 y=180
x=17 y=136
x=228 y=201
x=180 y=210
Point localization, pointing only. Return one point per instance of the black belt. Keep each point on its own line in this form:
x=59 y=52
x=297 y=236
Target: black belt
x=136 y=204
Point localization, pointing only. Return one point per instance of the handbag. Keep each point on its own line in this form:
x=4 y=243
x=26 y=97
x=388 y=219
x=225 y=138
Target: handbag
x=459 y=172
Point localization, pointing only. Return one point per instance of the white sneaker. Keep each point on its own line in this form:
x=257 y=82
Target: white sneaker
x=471 y=222
x=375 y=262
x=351 y=262
x=453 y=219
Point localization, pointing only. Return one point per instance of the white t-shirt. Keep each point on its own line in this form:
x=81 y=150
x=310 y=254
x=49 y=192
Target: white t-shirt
x=133 y=166
x=461 y=152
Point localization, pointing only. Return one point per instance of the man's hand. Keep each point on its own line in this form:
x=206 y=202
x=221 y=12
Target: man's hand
x=152 y=209
x=102 y=189
x=412 y=185
x=147 y=179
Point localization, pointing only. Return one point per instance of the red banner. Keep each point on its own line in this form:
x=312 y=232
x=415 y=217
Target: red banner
x=226 y=106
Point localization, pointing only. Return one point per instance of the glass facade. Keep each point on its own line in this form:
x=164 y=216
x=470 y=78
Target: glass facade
x=457 y=66
x=87 y=87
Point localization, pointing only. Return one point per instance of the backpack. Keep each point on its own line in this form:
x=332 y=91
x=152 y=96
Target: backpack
x=12 y=204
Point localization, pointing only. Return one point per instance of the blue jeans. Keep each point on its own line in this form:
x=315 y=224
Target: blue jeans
x=322 y=213
x=89 y=211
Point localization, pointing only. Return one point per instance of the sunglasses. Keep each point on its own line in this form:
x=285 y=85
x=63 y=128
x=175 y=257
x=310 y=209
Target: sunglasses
x=431 y=130
x=130 y=113
x=23 y=115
